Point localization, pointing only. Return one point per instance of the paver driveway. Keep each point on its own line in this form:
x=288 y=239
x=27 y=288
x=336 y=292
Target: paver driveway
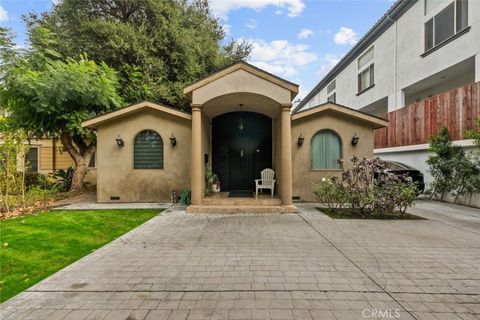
x=306 y=266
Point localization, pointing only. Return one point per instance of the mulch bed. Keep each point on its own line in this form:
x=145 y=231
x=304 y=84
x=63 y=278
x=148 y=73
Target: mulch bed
x=347 y=213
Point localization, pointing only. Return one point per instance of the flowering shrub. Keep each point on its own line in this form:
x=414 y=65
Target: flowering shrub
x=366 y=188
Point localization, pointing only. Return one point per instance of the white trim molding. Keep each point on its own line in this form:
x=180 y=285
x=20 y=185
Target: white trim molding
x=419 y=147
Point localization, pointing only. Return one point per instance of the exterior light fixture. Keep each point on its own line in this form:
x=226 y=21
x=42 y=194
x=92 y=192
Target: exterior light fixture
x=355 y=139
x=173 y=140
x=300 y=141
x=120 y=142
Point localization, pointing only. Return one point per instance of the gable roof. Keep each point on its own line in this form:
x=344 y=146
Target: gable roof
x=374 y=121
x=392 y=15
x=95 y=122
x=241 y=65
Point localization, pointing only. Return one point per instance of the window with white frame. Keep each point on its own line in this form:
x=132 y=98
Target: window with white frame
x=332 y=98
x=445 y=24
x=331 y=94
x=366 y=69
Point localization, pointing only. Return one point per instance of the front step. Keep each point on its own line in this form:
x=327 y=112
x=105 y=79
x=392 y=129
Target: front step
x=241 y=209
x=212 y=201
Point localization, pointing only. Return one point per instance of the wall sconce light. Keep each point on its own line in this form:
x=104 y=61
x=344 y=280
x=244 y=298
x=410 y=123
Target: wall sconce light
x=355 y=139
x=120 y=142
x=300 y=141
x=173 y=140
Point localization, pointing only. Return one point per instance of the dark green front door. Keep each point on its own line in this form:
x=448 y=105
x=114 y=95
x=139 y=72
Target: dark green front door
x=241 y=148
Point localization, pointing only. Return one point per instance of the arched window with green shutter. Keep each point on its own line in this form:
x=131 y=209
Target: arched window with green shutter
x=148 y=150
x=326 y=150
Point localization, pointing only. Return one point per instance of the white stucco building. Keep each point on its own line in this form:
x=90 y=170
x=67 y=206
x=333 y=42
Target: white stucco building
x=406 y=68
x=417 y=52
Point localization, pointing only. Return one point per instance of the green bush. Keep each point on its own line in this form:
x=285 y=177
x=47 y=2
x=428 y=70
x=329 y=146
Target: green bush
x=37 y=193
x=34 y=179
x=453 y=170
x=366 y=189
x=65 y=178
x=185 y=197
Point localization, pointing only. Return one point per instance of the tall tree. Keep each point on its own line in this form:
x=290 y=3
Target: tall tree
x=157 y=46
x=49 y=95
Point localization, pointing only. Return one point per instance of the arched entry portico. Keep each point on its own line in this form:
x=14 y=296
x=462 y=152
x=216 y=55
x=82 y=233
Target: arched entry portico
x=241 y=88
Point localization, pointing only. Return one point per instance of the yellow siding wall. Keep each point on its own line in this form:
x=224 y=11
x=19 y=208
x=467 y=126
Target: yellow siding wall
x=62 y=158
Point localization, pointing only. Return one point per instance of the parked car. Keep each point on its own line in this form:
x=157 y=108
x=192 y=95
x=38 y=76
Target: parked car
x=411 y=174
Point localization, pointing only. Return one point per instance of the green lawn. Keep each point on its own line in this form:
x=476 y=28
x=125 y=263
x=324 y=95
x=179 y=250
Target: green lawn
x=39 y=245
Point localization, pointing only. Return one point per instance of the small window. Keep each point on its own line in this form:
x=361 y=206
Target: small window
x=366 y=78
x=444 y=25
x=31 y=159
x=326 y=150
x=365 y=58
x=332 y=86
x=332 y=98
x=148 y=150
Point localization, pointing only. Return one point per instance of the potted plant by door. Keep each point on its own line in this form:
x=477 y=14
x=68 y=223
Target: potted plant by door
x=216 y=184
x=212 y=180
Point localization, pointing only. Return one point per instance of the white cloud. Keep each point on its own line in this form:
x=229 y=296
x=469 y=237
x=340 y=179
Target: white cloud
x=286 y=71
x=345 y=36
x=251 y=24
x=280 y=56
x=228 y=29
x=329 y=61
x=3 y=14
x=221 y=8
x=305 y=33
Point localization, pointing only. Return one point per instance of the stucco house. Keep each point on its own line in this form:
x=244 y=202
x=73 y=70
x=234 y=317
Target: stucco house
x=240 y=123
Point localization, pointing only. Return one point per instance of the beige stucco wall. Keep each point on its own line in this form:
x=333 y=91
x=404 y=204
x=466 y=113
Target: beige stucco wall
x=240 y=81
x=345 y=127
x=116 y=176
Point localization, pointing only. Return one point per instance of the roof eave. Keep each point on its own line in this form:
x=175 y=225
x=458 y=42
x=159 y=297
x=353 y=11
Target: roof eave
x=374 y=121
x=95 y=122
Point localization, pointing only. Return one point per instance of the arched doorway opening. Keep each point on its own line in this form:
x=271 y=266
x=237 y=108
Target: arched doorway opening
x=241 y=148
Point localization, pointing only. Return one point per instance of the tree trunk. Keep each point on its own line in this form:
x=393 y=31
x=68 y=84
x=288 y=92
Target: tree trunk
x=81 y=168
x=81 y=154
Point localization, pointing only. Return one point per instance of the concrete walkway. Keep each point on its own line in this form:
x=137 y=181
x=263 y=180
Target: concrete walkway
x=100 y=206
x=462 y=217
x=290 y=266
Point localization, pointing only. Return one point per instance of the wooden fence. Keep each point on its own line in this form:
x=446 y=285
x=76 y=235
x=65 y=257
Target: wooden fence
x=456 y=109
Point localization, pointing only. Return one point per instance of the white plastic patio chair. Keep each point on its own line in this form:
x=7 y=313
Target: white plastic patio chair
x=267 y=181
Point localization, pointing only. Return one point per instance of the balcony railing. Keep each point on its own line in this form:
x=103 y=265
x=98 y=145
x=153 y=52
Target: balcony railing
x=456 y=109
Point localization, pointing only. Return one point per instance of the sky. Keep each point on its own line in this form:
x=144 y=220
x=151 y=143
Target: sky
x=298 y=40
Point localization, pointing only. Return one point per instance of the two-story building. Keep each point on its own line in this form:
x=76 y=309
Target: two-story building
x=418 y=66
